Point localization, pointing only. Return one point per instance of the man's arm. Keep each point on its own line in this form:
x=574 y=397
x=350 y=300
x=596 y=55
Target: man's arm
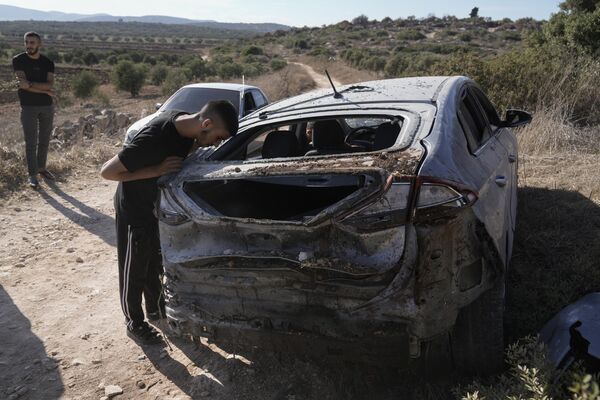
x=45 y=86
x=34 y=87
x=114 y=170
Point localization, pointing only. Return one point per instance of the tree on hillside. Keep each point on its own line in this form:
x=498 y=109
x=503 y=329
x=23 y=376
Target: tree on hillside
x=576 y=26
x=581 y=6
x=361 y=20
x=129 y=77
x=474 y=12
x=85 y=84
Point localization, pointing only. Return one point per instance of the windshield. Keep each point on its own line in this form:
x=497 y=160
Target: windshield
x=364 y=122
x=192 y=99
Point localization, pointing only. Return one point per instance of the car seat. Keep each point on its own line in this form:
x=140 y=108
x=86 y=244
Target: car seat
x=280 y=144
x=328 y=138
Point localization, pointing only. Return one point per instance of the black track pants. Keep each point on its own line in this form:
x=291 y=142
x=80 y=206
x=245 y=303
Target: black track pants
x=140 y=267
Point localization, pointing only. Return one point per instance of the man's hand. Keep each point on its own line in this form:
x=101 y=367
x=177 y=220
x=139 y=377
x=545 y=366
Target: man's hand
x=24 y=84
x=169 y=165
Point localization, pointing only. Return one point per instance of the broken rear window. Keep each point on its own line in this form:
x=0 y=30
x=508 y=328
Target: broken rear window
x=325 y=136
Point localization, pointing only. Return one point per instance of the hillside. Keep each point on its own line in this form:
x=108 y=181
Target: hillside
x=12 y=13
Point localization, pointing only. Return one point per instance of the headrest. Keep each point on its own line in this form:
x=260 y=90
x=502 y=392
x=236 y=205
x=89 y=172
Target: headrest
x=280 y=144
x=328 y=134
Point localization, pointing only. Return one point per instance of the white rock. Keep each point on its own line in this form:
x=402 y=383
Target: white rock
x=112 y=391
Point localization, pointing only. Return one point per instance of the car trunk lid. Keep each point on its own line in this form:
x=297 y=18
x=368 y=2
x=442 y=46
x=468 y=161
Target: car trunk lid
x=302 y=211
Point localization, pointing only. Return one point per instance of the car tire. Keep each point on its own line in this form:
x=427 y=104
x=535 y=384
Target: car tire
x=477 y=340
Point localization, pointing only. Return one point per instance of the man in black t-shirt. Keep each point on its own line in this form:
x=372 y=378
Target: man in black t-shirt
x=35 y=74
x=157 y=149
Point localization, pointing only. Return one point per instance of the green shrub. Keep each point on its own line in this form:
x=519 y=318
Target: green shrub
x=53 y=55
x=321 y=52
x=532 y=376
x=84 y=84
x=465 y=37
x=90 y=58
x=230 y=70
x=278 y=64
x=410 y=34
x=361 y=20
x=129 y=77
x=301 y=44
x=252 y=50
x=176 y=78
x=158 y=74
x=198 y=68
x=112 y=59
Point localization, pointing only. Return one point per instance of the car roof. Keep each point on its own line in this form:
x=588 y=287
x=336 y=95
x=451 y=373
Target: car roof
x=223 y=86
x=406 y=90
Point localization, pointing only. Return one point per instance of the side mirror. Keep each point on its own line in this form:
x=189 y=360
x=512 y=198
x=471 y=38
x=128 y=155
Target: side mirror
x=158 y=105
x=516 y=118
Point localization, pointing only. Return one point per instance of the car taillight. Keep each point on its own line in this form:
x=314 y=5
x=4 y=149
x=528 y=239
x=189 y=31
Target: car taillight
x=169 y=212
x=440 y=198
x=388 y=210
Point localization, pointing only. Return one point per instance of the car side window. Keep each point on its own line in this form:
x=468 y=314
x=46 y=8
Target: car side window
x=249 y=104
x=259 y=99
x=488 y=109
x=254 y=148
x=473 y=121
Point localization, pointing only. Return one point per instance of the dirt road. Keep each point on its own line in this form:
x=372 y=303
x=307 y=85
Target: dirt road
x=61 y=328
x=319 y=78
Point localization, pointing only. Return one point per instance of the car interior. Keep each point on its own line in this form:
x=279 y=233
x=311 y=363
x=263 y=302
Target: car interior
x=315 y=137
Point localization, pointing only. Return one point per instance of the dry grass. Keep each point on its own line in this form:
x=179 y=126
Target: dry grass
x=551 y=133
x=289 y=81
x=338 y=70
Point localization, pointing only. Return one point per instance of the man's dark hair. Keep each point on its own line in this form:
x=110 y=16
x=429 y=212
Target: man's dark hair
x=224 y=111
x=32 y=34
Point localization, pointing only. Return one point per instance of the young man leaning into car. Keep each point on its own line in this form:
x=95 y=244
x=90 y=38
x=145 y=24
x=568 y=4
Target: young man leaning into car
x=157 y=149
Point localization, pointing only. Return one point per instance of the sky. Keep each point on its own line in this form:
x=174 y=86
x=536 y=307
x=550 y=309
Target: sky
x=297 y=12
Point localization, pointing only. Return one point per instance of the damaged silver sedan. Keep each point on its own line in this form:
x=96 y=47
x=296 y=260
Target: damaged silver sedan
x=379 y=216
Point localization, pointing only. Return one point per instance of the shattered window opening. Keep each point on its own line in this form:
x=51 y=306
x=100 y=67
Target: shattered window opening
x=285 y=198
x=322 y=136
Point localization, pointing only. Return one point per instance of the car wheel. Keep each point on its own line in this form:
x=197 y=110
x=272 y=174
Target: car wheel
x=477 y=341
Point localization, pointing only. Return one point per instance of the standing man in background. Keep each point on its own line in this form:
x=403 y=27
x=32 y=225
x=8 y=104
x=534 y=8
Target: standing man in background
x=35 y=74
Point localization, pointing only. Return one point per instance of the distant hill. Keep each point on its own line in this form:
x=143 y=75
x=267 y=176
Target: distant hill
x=12 y=13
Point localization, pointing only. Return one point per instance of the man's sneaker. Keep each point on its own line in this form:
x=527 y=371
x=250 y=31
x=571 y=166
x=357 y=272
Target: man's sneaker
x=33 y=182
x=47 y=175
x=144 y=334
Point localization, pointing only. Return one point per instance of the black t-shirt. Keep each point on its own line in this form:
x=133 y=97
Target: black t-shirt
x=36 y=70
x=156 y=141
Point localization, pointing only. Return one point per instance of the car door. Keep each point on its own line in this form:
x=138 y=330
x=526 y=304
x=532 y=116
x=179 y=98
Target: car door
x=507 y=138
x=494 y=194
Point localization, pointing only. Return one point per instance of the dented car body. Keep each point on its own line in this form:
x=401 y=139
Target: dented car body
x=383 y=215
